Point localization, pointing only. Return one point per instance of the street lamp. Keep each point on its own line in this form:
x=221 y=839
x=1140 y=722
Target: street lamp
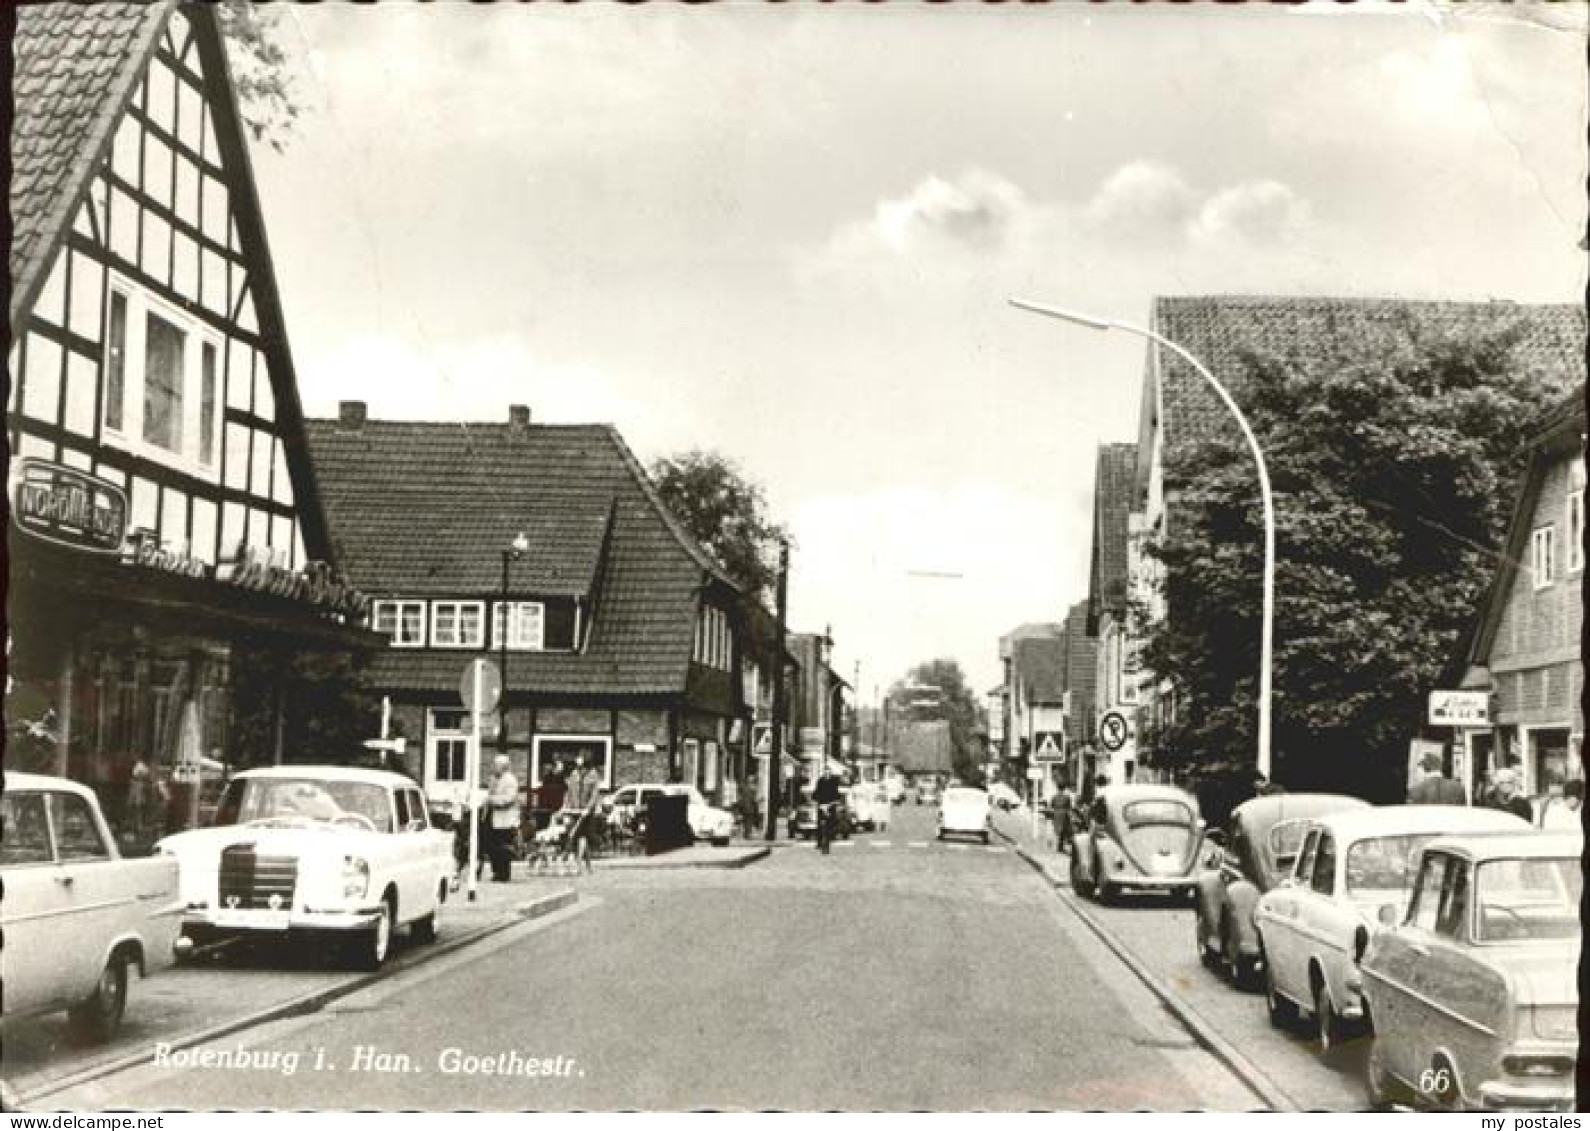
x=514 y=552
x=1267 y=629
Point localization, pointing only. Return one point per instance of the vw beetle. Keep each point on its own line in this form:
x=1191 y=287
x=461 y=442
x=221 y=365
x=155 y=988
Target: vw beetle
x=1139 y=838
x=1261 y=846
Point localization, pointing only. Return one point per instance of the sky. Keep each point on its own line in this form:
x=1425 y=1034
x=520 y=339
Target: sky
x=788 y=234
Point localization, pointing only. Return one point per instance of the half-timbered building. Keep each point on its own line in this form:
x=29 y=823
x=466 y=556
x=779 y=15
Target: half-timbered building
x=168 y=552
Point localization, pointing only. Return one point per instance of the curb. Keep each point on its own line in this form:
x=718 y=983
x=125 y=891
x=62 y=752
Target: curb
x=1202 y=1031
x=738 y=861
x=311 y=1002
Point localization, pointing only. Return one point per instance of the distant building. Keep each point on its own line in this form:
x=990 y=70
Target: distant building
x=1525 y=650
x=1117 y=548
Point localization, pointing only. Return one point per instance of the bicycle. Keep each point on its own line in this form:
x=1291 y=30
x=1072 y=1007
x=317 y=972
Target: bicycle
x=827 y=824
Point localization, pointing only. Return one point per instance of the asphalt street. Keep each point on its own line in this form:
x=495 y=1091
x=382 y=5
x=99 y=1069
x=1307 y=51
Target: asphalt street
x=896 y=973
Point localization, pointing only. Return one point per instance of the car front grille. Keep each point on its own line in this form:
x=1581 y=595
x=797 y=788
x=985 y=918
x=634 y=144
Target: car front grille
x=248 y=880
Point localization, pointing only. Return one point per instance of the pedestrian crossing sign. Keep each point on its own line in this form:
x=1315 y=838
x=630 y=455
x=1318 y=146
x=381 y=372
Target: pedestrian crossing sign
x=1049 y=748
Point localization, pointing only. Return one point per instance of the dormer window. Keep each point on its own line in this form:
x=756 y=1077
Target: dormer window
x=403 y=621
x=1543 y=555
x=458 y=624
x=526 y=625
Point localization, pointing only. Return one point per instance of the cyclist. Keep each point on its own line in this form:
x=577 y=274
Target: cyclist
x=826 y=798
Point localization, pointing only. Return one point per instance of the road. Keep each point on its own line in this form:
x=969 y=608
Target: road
x=894 y=974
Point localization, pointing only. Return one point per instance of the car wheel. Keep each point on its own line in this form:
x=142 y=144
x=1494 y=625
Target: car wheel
x=1238 y=967
x=97 y=1017
x=1079 y=885
x=372 y=945
x=1383 y=1090
x=985 y=836
x=1282 y=1011
x=720 y=842
x=1329 y=1029
x=423 y=931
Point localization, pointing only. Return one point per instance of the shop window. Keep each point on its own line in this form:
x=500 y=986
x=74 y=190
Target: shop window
x=1543 y=551
x=403 y=621
x=161 y=397
x=457 y=624
x=526 y=625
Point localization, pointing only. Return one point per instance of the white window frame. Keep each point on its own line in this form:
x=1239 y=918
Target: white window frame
x=1573 y=525
x=518 y=639
x=1543 y=555
x=398 y=606
x=130 y=436
x=535 y=754
x=458 y=639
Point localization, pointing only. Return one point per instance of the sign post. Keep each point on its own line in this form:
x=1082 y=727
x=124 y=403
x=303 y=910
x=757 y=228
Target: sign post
x=1048 y=751
x=479 y=688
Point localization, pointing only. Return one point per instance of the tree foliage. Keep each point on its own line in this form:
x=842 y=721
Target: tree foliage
x=957 y=706
x=267 y=96
x=1393 y=461
x=725 y=512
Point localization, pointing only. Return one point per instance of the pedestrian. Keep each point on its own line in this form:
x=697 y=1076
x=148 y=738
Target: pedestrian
x=1062 y=814
x=502 y=805
x=1565 y=812
x=1435 y=788
x=1506 y=796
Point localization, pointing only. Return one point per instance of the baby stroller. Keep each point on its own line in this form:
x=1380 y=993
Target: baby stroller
x=564 y=847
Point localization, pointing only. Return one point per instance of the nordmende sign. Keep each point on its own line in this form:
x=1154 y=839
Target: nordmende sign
x=1460 y=709
x=62 y=504
x=70 y=507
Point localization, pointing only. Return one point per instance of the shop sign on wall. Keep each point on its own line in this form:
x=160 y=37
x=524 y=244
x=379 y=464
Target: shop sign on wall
x=71 y=507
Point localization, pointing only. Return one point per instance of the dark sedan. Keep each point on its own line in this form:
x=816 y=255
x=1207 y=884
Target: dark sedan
x=1261 y=843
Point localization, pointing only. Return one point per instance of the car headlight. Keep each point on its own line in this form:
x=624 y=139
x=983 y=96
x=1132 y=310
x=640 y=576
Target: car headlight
x=355 y=877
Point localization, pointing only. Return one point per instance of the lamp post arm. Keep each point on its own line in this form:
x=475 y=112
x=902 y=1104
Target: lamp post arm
x=1267 y=615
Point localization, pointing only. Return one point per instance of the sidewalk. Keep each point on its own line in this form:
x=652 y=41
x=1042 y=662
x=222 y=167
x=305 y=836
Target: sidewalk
x=1015 y=828
x=188 y=1005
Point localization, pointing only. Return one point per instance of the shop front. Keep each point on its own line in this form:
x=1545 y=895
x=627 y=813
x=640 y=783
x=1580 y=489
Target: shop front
x=150 y=678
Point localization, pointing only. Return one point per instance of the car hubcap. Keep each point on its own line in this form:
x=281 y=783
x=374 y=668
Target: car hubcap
x=383 y=933
x=111 y=989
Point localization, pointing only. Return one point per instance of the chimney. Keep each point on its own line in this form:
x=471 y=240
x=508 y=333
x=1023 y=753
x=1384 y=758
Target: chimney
x=350 y=416
x=518 y=418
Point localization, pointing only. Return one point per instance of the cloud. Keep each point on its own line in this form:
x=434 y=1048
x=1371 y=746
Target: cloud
x=1258 y=212
x=1142 y=200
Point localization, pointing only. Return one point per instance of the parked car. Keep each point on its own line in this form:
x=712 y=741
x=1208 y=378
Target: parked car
x=927 y=791
x=1261 y=844
x=895 y=784
x=707 y=822
x=1139 y=838
x=1473 y=995
x=76 y=915
x=869 y=806
x=1352 y=869
x=963 y=811
x=1003 y=796
x=332 y=850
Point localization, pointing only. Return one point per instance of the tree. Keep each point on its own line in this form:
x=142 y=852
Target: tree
x=957 y=705
x=1393 y=461
x=267 y=97
x=725 y=512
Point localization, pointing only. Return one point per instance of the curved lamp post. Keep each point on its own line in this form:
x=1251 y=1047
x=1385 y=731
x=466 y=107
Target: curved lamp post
x=1266 y=643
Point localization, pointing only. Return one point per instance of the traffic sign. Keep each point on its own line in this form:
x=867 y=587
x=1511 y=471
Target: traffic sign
x=490 y=686
x=1113 y=731
x=391 y=745
x=1050 y=748
x=1035 y=773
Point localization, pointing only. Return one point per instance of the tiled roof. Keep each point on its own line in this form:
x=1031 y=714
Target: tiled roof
x=1082 y=649
x=429 y=507
x=75 y=67
x=1221 y=330
x=1114 y=493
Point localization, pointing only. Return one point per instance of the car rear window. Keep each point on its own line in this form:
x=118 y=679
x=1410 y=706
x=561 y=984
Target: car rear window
x=1384 y=863
x=1156 y=813
x=967 y=795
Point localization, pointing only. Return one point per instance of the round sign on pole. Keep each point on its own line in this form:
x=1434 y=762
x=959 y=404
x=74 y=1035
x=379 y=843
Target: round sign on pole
x=1113 y=731
x=490 y=686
